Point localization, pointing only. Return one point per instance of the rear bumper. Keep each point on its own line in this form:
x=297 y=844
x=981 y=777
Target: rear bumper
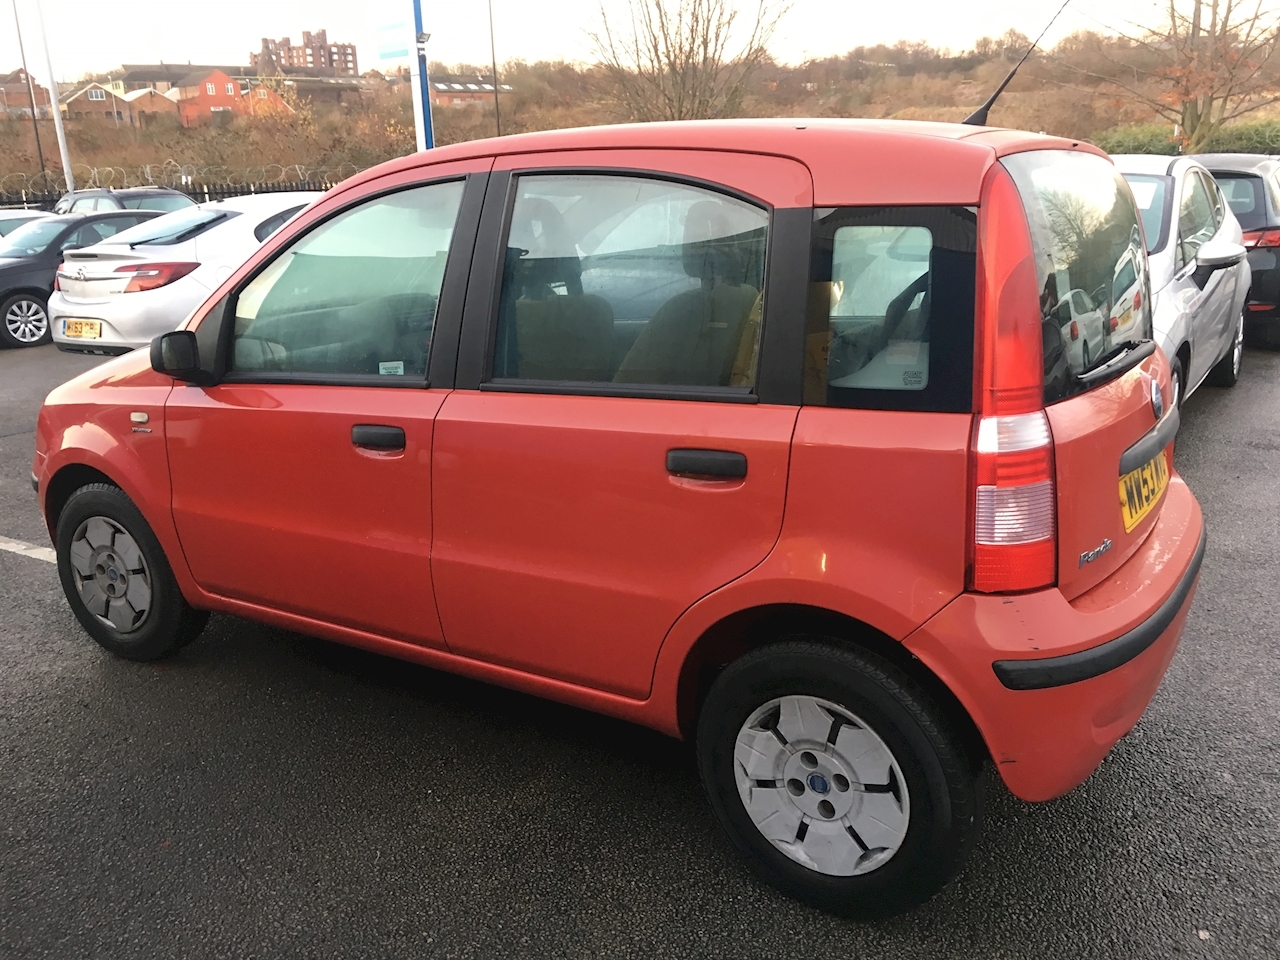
x=1051 y=684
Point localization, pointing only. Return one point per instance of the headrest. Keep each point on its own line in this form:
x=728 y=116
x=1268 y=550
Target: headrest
x=541 y=249
x=709 y=249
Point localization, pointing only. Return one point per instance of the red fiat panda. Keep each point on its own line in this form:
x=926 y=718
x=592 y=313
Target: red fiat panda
x=766 y=434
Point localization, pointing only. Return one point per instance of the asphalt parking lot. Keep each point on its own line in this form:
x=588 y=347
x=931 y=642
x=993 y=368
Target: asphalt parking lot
x=266 y=795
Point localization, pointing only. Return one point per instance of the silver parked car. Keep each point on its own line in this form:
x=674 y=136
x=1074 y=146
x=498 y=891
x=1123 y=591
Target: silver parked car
x=1199 y=276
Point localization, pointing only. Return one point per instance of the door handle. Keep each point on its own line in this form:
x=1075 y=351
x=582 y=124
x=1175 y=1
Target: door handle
x=374 y=436
x=716 y=464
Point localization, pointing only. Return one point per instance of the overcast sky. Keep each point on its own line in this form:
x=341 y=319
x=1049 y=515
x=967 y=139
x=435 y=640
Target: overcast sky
x=96 y=36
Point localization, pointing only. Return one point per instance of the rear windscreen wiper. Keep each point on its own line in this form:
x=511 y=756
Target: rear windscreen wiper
x=1124 y=357
x=179 y=237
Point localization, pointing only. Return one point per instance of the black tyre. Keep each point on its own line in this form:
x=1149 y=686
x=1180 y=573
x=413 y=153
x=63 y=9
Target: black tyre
x=24 y=320
x=1226 y=372
x=116 y=577
x=1178 y=380
x=838 y=777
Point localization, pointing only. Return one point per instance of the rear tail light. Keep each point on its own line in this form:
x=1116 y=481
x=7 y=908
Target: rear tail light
x=148 y=276
x=1114 y=322
x=1015 y=504
x=1075 y=330
x=57 y=277
x=1137 y=300
x=1262 y=238
x=1013 y=543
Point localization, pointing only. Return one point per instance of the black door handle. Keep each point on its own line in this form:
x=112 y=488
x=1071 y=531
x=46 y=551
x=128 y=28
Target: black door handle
x=719 y=464
x=374 y=436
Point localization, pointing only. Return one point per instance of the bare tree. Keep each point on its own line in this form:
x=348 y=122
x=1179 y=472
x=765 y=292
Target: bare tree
x=1210 y=62
x=684 y=59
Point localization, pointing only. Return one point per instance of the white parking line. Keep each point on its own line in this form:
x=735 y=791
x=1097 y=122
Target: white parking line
x=28 y=550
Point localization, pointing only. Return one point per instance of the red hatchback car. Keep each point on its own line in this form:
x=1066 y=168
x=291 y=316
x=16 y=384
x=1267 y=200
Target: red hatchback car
x=765 y=434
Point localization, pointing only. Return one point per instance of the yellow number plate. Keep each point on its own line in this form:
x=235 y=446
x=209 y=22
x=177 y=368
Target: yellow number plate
x=1140 y=490
x=83 y=329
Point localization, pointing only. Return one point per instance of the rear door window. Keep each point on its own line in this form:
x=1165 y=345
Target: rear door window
x=629 y=280
x=357 y=295
x=1152 y=196
x=890 y=314
x=1244 y=197
x=1086 y=236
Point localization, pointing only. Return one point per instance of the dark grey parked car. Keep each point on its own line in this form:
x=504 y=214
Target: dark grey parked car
x=1251 y=185
x=129 y=198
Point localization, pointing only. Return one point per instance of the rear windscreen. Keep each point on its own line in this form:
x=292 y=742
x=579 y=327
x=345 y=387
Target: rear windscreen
x=1245 y=198
x=1095 y=291
x=890 y=314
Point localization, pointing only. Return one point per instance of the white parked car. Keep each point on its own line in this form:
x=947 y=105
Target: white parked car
x=118 y=295
x=1199 y=275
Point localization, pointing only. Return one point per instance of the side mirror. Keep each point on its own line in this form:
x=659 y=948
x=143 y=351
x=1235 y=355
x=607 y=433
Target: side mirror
x=1215 y=255
x=177 y=354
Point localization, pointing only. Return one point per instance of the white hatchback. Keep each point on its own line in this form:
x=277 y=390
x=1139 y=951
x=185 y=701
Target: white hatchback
x=118 y=295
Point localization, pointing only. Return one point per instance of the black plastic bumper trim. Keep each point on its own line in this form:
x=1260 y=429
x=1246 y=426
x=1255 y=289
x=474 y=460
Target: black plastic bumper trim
x=1152 y=442
x=1086 y=664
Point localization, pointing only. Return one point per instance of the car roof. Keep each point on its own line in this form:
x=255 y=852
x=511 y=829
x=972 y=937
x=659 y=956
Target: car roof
x=263 y=202
x=1238 y=162
x=896 y=161
x=119 y=191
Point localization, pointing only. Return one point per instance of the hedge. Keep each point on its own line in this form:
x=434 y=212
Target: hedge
x=1262 y=137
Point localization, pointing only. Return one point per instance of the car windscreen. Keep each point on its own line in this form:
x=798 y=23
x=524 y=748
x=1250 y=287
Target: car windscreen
x=1152 y=194
x=164 y=201
x=174 y=227
x=1245 y=198
x=32 y=238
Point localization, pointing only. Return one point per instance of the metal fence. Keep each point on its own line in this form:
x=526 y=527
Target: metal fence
x=42 y=191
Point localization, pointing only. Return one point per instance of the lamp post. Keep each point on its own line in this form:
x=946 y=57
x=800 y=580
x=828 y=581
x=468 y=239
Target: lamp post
x=421 y=83
x=31 y=95
x=56 y=104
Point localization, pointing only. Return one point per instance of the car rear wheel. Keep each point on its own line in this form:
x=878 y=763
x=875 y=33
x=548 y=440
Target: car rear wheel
x=1226 y=371
x=117 y=580
x=838 y=777
x=24 y=321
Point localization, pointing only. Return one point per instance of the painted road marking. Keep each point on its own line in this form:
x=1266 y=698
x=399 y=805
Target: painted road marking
x=28 y=550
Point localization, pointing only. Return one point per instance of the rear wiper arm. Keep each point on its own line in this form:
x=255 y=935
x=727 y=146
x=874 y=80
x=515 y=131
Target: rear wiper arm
x=1129 y=355
x=179 y=237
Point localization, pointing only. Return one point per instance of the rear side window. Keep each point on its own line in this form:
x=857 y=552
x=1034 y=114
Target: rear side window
x=274 y=222
x=1195 y=220
x=355 y=296
x=1154 y=198
x=1086 y=235
x=890 y=313
x=1244 y=197
x=630 y=280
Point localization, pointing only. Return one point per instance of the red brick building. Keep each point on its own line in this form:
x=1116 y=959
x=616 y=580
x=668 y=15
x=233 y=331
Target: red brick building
x=213 y=96
x=15 y=100
x=315 y=51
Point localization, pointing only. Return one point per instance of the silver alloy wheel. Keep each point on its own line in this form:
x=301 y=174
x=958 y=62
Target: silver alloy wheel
x=1175 y=386
x=1237 y=348
x=821 y=786
x=111 y=574
x=26 y=320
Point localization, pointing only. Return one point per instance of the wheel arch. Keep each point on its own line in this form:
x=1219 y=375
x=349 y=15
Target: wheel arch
x=40 y=292
x=66 y=481
x=749 y=629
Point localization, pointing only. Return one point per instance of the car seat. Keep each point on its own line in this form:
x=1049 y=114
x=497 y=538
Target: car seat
x=697 y=337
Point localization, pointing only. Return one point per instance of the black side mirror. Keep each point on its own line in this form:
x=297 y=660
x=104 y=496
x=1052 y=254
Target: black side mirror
x=178 y=354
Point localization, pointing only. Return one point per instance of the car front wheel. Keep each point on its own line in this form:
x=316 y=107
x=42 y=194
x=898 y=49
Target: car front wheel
x=24 y=321
x=1227 y=370
x=838 y=777
x=117 y=580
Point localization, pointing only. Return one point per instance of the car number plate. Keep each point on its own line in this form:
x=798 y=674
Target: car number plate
x=1140 y=490
x=83 y=329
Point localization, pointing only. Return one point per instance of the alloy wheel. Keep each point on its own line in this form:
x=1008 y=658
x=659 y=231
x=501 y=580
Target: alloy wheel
x=821 y=786
x=111 y=574
x=26 y=320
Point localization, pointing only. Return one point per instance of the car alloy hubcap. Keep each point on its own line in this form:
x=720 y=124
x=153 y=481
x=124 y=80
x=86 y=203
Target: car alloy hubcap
x=26 y=320
x=821 y=786
x=111 y=574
